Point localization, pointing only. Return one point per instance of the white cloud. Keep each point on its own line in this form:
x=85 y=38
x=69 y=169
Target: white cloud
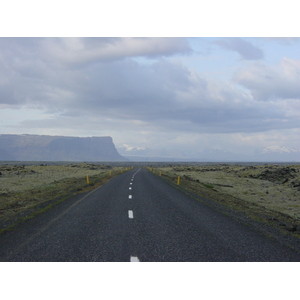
x=278 y=149
x=267 y=83
x=79 y=51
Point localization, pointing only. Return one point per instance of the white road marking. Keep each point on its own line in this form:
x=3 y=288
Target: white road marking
x=130 y=214
x=130 y=196
x=134 y=259
x=136 y=172
x=130 y=188
x=130 y=182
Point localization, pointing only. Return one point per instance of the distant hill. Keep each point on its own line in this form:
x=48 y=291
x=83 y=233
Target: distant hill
x=27 y=147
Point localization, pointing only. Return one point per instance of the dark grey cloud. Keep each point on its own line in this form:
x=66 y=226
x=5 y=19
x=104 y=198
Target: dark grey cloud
x=117 y=91
x=160 y=96
x=40 y=70
x=246 y=50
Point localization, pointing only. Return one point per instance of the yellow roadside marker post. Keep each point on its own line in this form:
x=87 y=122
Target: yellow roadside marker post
x=87 y=179
x=178 y=180
x=160 y=173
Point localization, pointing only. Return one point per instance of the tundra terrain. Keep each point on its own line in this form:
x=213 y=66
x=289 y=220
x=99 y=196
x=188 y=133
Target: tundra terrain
x=265 y=193
x=26 y=190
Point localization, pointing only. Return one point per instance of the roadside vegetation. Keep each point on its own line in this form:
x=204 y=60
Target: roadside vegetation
x=26 y=190
x=265 y=193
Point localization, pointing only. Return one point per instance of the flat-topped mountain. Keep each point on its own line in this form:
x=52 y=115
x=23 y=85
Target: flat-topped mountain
x=27 y=147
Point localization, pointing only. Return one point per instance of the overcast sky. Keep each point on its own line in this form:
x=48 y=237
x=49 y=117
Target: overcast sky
x=185 y=94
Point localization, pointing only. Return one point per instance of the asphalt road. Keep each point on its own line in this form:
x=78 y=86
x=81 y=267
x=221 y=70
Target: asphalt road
x=136 y=216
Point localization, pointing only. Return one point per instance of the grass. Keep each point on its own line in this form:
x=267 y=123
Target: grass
x=242 y=189
x=210 y=186
x=237 y=182
x=29 y=190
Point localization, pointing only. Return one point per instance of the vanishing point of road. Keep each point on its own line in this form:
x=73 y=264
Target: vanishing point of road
x=138 y=217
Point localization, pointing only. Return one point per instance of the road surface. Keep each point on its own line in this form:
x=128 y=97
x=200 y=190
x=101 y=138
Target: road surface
x=137 y=216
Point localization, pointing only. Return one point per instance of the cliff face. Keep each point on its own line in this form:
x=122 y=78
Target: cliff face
x=57 y=148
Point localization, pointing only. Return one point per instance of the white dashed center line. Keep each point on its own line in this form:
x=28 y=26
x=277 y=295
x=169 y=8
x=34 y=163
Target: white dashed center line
x=130 y=214
x=134 y=259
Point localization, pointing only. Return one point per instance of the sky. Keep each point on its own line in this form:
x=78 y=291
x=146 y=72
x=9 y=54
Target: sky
x=181 y=94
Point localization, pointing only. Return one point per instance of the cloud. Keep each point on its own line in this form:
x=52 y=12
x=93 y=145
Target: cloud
x=42 y=71
x=162 y=96
x=246 y=50
x=269 y=83
x=284 y=40
x=78 y=51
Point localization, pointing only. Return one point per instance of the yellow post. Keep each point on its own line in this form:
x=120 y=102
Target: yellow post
x=160 y=173
x=87 y=179
x=178 y=180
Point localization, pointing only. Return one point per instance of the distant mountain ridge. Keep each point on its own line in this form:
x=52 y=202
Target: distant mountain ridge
x=269 y=154
x=27 y=147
